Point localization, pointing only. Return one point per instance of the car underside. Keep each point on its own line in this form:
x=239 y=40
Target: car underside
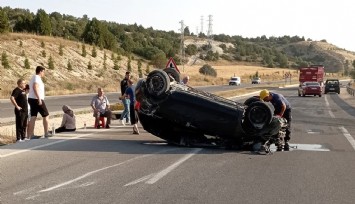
x=185 y=116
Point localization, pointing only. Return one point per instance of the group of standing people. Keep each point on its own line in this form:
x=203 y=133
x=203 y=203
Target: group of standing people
x=28 y=100
x=129 y=102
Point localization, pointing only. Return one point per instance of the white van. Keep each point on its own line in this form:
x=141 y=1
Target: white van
x=235 y=81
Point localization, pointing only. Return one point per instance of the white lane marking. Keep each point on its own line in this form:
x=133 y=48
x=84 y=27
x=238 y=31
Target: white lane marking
x=140 y=179
x=154 y=177
x=45 y=145
x=348 y=136
x=164 y=172
x=327 y=104
x=99 y=170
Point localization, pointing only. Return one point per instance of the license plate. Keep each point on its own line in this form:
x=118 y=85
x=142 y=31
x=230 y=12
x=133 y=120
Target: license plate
x=314 y=88
x=331 y=88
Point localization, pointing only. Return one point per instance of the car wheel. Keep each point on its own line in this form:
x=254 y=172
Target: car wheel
x=158 y=83
x=320 y=95
x=258 y=115
x=251 y=100
x=173 y=73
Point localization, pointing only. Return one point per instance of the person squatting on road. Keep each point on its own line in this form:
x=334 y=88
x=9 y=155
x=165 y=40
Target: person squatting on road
x=68 y=120
x=19 y=100
x=36 y=100
x=125 y=101
x=282 y=109
x=101 y=107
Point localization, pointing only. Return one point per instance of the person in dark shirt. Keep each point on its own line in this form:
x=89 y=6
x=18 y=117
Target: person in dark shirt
x=133 y=116
x=125 y=101
x=19 y=100
x=282 y=109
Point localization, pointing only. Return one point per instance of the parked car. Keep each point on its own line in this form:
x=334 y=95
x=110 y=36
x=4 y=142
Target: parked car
x=332 y=85
x=256 y=80
x=310 y=88
x=185 y=116
x=235 y=81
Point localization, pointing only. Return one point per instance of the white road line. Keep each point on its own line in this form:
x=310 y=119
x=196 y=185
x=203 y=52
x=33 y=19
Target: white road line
x=327 y=104
x=99 y=170
x=140 y=180
x=164 y=172
x=45 y=145
x=348 y=136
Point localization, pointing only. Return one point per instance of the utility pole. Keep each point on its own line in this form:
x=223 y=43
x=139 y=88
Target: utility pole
x=182 y=47
x=201 y=24
x=209 y=32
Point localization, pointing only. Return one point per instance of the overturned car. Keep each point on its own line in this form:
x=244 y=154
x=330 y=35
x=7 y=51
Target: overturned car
x=186 y=116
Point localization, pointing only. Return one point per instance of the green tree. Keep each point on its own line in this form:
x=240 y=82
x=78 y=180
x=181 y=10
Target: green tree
x=83 y=50
x=115 y=65
x=21 y=44
x=93 y=51
x=105 y=57
x=147 y=69
x=61 y=50
x=4 y=61
x=43 y=45
x=42 y=23
x=129 y=67
x=208 y=70
x=69 y=66
x=140 y=73
x=89 y=66
x=50 y=63
x=4 y=22
x=44 y=54
x=27 y=64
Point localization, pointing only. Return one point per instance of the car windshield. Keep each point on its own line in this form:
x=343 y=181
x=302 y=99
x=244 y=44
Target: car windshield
x=234 y=78
x=332 y=82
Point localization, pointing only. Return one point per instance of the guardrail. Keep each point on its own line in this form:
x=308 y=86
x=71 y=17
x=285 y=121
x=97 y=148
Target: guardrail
x=350 y=90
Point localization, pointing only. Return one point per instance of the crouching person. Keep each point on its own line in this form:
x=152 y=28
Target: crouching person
x=68 y=121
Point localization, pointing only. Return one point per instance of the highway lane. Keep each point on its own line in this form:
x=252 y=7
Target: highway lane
x=113 y=166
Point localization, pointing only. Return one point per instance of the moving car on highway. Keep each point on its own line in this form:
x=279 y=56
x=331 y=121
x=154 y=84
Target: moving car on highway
x=310 y=88
x=256 y=80
x=332 y=85
x=186 y=116
x=235 y=81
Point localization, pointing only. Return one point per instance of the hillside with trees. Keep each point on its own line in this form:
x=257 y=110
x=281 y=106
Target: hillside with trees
x=74 y=48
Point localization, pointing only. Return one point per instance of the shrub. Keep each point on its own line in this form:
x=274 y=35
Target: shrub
x=27 y=64
x=4 y=60
x=208 y=70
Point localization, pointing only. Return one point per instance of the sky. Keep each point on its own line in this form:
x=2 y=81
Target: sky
x=328 y=20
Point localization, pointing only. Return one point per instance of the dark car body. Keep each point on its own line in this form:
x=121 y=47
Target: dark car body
x=310 y=88
x=332 y=85
x=183 y=115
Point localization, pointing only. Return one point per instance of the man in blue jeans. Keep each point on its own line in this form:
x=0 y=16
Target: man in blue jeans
x=125 y=101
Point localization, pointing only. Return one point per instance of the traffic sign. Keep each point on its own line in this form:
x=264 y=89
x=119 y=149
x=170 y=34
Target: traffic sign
x=171 y=64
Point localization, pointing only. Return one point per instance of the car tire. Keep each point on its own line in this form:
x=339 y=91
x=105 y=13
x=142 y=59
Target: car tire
x=251 y=100
x=320 y=95
x=158 y=83
x=173 y=73
x=258 y=115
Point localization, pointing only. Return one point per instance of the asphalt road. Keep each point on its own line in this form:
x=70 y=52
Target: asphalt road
x=114 y=166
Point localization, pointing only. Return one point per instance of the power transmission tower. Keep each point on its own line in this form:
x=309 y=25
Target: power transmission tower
x=201 y=24
x=209 y=32
x=182 y=47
